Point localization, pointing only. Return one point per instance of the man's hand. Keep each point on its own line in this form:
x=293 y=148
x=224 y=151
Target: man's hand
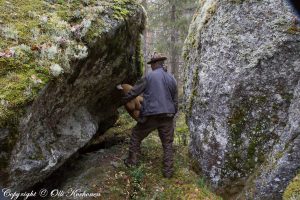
x=137 y=89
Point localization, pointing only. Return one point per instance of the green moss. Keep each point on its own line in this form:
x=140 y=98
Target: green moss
x=182 y=132
x=17 y=87
x=210 y=12
x=21 y=10
x=185 y=55
x=288 y=97
x=28 y=27
x=293 y=27
x=292 y=192
x=8 y=65
x=194 y=89
x=294 y=30
x=242 y=125
x=120 y=130
x=139 y=58
x=94 y=31
x=279 y=155
x=190 y=43
x=243 y=159
x=237 y=123
x=120 y=11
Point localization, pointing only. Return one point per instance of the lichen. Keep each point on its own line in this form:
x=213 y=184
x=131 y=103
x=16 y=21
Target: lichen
x=292 y=192
x=95 y=31
x=40 y=41
x=43 y=34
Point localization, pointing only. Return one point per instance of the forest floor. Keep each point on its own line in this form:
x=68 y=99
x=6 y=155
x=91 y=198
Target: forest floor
x=104 y=172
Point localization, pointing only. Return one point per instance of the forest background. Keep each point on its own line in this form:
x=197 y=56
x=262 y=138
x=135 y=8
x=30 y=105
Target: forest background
x=167 y=27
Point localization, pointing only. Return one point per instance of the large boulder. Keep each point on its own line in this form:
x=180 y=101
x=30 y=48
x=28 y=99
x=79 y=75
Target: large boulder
x=59 y=64
x=242 y=94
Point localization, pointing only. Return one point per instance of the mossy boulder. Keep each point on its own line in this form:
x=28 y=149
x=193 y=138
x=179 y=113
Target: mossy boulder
x=59 y=64
x=243 y=103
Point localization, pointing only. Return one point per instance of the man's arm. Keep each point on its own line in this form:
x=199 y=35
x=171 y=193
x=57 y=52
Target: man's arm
x=137 y=89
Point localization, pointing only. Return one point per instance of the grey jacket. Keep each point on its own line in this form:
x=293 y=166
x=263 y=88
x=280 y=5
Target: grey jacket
x=160 y=93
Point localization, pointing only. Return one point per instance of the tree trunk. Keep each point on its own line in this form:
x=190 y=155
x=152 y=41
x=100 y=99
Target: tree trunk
x=173 y=55
x=145 y=41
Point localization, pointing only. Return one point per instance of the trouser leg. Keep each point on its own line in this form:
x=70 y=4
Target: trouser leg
x=139 y=132
x=166 y=134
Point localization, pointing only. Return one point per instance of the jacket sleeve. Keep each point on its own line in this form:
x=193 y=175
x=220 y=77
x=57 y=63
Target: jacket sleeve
x=136 y=90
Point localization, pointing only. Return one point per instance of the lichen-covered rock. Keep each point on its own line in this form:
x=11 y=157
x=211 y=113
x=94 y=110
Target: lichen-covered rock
x=242 y=91
x=59 y=64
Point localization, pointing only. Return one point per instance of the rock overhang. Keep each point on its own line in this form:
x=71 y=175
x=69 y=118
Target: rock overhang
x=58 y=72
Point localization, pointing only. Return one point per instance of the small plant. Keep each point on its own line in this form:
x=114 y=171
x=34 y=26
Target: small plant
x=203 y=186
x=10 y=32
x=137 y=175
x=81 y=52
x=22 y=52
x=182 y=135
x=51 y=52
x=201 y=182
x=181 y=131
x=56 y=69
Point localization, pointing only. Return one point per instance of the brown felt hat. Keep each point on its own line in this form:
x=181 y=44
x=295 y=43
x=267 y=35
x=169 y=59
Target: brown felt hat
x=156 y=57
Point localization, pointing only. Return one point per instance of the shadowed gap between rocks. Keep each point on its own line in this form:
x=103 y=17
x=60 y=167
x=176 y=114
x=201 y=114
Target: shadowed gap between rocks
x=55 y=180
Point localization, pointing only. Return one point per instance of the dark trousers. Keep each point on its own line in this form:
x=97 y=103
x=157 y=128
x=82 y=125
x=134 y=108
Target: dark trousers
x=165 y=127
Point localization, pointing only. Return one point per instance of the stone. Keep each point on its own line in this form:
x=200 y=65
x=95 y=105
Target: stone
x=76 y=99
x=242 y=102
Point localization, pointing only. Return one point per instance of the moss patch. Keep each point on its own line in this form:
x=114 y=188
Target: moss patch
x=292 y=192
x=39 y=42
x=243 y=159
x=120 y=130
x=194 y=92
x=139 y=58
x=40 y=35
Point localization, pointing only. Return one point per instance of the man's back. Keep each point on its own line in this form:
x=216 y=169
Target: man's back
x=160 y=93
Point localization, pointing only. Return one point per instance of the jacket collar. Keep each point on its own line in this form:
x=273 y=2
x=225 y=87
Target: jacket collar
x=159 y=67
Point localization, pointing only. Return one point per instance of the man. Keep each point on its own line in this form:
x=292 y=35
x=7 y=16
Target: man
x=159 y=106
